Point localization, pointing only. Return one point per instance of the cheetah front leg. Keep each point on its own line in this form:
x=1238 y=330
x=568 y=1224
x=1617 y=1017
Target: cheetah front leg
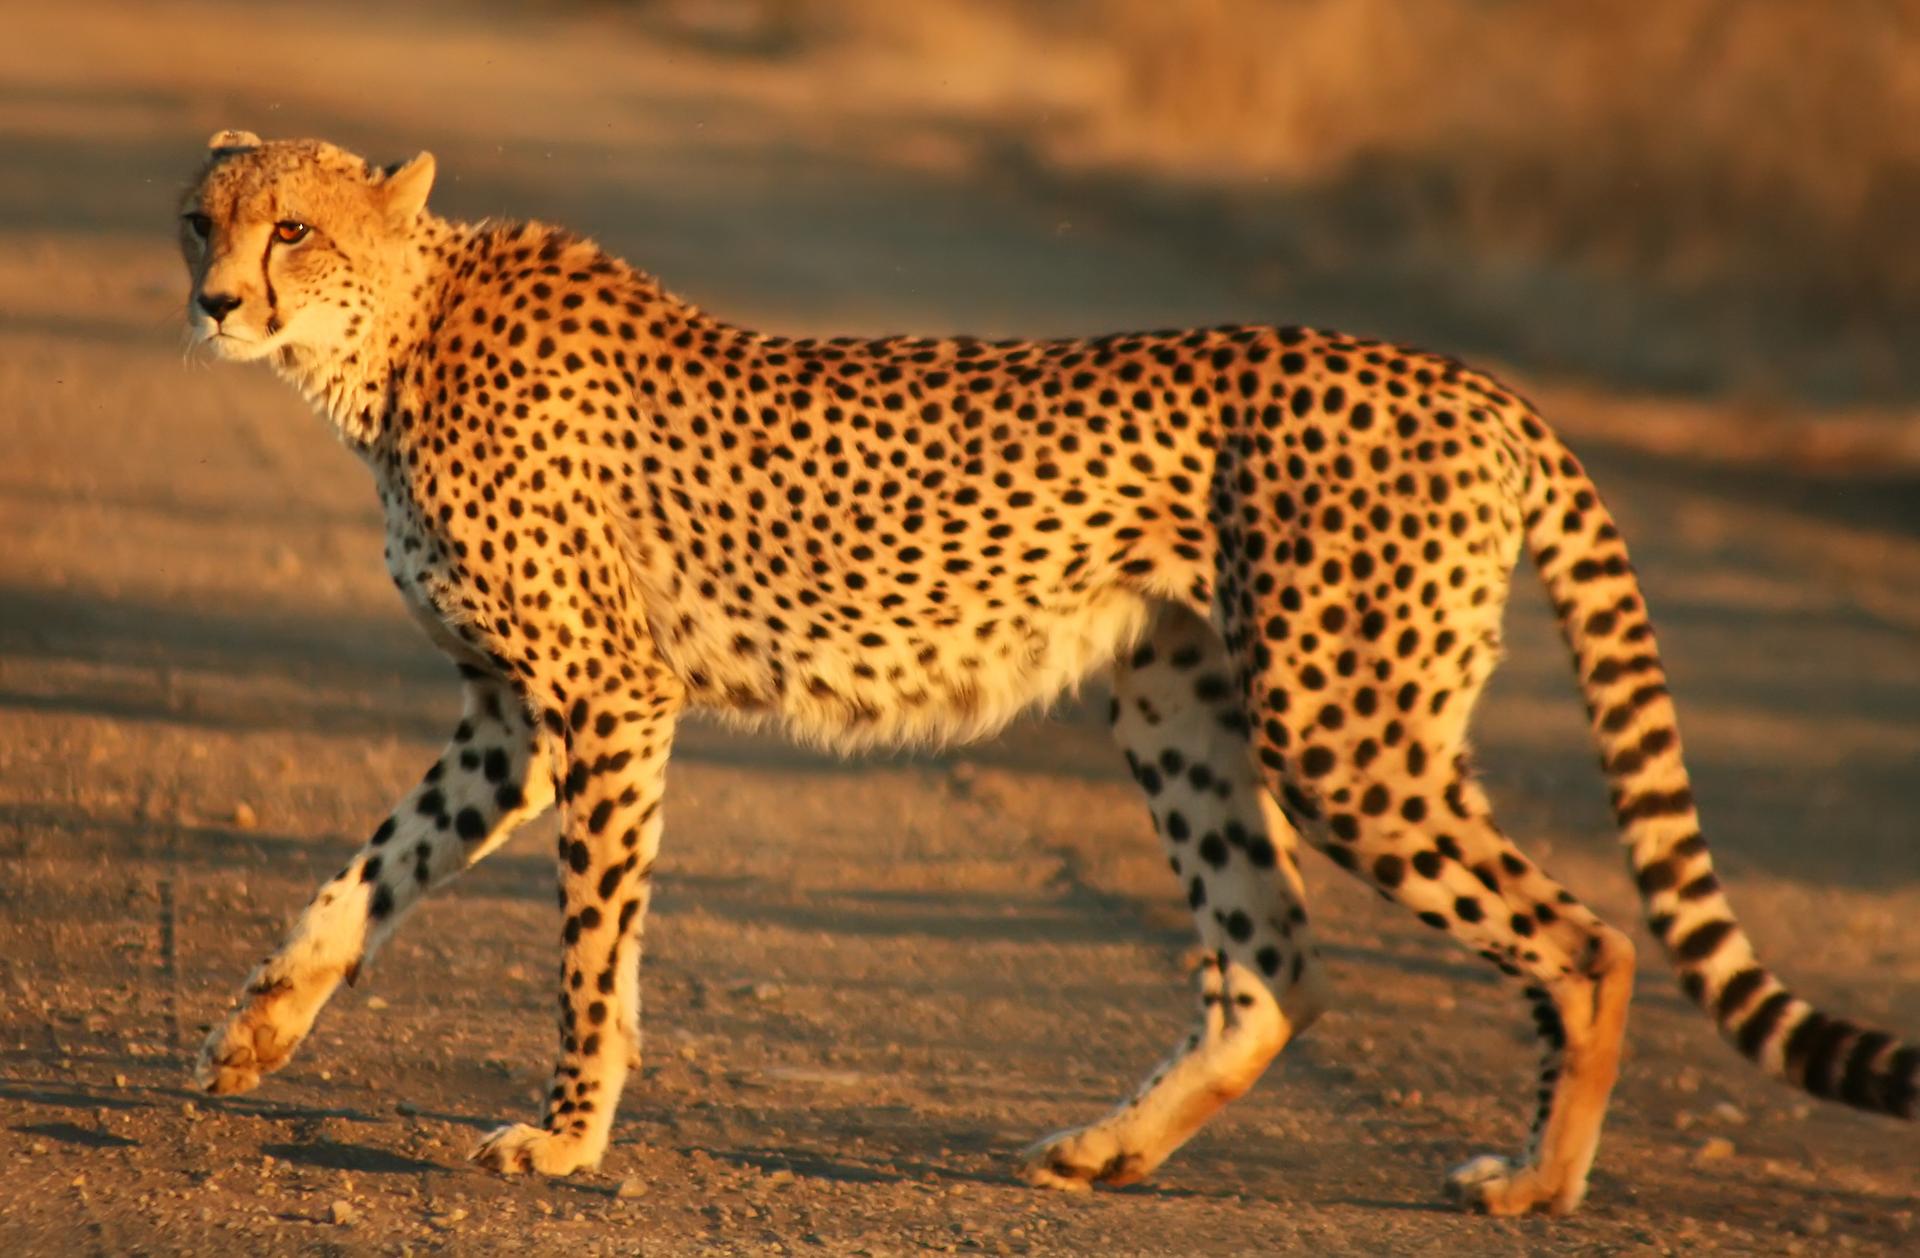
x=1178 y=717
x=494 y=775
x=616 y=750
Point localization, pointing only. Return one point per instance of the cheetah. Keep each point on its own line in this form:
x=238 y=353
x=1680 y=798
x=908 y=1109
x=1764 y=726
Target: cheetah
x=1292 y=548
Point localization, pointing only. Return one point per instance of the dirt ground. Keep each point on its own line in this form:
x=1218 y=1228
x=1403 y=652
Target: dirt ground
x=868 y=984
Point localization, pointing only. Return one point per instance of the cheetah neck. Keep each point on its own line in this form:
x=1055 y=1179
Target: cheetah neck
x=352 y=383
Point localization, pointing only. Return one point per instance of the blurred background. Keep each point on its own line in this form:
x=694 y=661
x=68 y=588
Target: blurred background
x=1691 y=197
x=1686 y=228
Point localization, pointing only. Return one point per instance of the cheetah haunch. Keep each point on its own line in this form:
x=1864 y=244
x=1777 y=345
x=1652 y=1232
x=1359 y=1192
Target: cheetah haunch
x=1293 y=547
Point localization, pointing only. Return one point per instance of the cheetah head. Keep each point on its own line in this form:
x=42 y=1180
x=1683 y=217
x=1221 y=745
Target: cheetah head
x=290 y=244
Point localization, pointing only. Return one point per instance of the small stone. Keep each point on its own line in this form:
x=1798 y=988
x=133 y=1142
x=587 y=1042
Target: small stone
x=119 y=1081
x=689 y=1053
x=343 y=1214
x=1728 y=1112
x=447 y=1220
x=1816 y=1224
x=782 y=1177
x=1713 y=1149
x=244 y=818
x=406 y=1109
x=630 y=1188
x=376 y=1003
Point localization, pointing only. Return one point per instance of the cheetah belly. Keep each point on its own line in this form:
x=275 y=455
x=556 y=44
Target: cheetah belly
x=929 y=683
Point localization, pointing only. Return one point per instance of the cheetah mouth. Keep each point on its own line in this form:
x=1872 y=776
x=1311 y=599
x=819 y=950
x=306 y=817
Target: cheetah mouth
x=227 y=345
x=235 y=347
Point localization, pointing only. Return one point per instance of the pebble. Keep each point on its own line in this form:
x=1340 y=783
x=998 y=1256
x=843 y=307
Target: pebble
x=759 y=991
x=447 y=1220
x=376 y=1002
x=1713 y=1149
x=244 y=817
x=1728 y=1112
x=343 y=1213
x=630 y=1188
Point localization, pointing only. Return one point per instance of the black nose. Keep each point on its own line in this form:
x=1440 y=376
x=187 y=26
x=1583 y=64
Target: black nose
x=219 y=305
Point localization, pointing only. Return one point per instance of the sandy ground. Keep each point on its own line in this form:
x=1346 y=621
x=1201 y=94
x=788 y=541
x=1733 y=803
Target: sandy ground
x=868 y=984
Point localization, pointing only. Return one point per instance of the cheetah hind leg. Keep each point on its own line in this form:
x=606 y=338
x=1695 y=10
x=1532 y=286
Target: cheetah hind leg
x=1177 y=716
x=1427 y=839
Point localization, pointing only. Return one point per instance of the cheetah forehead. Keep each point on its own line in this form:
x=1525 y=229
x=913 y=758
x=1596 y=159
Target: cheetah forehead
x=248 y=179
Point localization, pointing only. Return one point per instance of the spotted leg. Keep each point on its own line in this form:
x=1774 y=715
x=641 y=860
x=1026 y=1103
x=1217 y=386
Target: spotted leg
x=494 y=775
x=1383 y=789
x=615 y=751
x=1177 y=715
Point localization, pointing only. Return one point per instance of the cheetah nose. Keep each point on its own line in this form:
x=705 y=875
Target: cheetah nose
x=219 y=305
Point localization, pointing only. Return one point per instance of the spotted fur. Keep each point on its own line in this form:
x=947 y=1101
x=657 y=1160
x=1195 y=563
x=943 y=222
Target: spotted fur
x=1292 y=546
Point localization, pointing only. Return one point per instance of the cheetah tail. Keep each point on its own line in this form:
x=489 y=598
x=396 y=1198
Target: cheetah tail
x=1597 y=600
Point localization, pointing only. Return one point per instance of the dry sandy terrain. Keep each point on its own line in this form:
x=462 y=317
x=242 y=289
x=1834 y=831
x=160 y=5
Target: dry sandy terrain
x=868 y=984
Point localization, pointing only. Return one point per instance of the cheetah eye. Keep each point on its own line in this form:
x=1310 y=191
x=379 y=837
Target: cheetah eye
x=290 y=231
x=197 y=223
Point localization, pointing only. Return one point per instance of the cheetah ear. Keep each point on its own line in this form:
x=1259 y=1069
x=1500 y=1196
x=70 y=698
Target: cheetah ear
x=406 y=187
x=231 y=139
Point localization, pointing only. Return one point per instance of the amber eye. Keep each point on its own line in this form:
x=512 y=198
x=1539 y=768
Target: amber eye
x=197 y=223
x=290 y=231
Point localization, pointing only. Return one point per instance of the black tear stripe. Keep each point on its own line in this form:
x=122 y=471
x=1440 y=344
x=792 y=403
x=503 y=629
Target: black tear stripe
x=266 y=278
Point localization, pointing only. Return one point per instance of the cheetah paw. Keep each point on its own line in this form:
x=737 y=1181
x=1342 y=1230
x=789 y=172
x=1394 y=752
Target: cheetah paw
x=1494 y=1185
x=1074 y=1161
x=518 y=1148
x=257 y=1040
